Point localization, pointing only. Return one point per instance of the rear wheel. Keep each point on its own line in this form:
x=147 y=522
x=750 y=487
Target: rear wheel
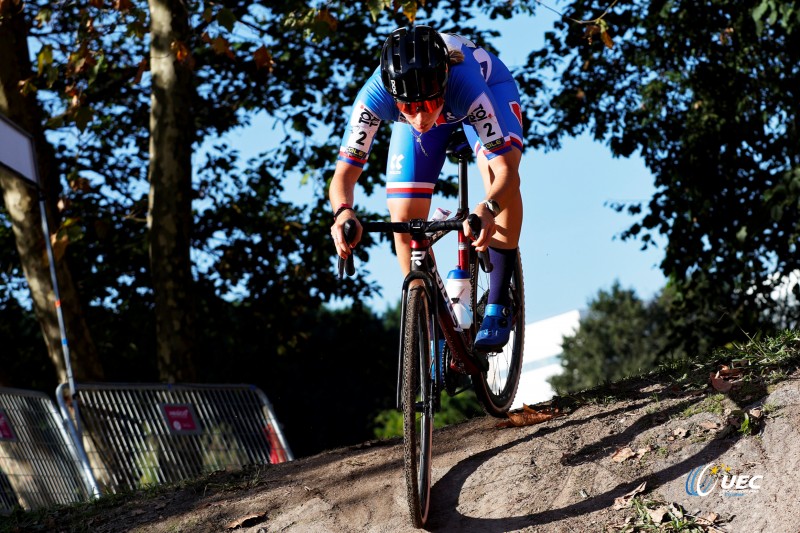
x=417 y=399
x=497 y=387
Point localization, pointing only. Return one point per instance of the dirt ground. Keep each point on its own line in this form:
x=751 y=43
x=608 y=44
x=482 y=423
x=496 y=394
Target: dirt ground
x=568 y=474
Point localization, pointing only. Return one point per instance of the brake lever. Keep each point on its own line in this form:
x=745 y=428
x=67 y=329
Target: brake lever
x=483 y=257
x=347 y=266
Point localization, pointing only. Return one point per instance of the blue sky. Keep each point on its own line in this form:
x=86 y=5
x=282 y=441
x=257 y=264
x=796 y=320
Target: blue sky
x=570 y=246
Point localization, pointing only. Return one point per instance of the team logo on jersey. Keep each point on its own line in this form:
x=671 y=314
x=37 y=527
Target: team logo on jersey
x=355 y=152
x=396 y=164
x=477 y=113
x=367 y=117
x=493 y=145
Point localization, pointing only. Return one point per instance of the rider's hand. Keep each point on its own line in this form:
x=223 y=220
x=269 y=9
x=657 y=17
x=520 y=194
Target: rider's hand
x=343 y=249
x=488 y=227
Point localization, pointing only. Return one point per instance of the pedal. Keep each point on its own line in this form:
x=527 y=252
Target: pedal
x=456 y=383
x=481 y=361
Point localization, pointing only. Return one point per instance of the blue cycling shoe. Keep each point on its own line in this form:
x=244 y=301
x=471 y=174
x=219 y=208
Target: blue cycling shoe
x=495 y=329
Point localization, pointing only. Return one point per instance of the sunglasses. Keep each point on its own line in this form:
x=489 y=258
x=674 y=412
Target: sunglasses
x=428 y=106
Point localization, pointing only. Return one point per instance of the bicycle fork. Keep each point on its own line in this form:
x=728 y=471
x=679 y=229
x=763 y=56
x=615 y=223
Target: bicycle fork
x=439 y=306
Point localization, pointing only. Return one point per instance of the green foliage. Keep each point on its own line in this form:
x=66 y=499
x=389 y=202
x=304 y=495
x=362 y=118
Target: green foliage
x=704 y=92
x=712 y=404
x=388 y=424
x=455 y=409
x=619 y=336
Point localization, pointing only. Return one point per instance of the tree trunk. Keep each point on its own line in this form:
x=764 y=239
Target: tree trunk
x=172 y=133
x=22 y=202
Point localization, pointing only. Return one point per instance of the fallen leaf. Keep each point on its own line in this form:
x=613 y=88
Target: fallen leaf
x=657 y=515
x=727 y=371
x=641 y=451
x=709 y=425
x=528 y=416
x=738 y=363
x=720 y=384
x=622 y=454
x=708 y=518
x=625 y=500
x=734 y=420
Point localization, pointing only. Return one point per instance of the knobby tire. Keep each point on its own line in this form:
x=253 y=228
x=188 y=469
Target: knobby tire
x=417 y=391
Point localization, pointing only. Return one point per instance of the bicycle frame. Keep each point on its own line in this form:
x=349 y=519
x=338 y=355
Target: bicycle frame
x=423 y=267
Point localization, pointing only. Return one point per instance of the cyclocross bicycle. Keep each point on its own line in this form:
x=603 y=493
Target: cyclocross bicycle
x=427 y=367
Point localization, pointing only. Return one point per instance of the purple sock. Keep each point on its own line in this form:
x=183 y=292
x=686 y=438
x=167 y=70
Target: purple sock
x=503 y=262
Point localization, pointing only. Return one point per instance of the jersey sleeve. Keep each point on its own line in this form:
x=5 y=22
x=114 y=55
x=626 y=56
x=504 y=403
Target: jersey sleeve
x=372 y=106
x=473 y=98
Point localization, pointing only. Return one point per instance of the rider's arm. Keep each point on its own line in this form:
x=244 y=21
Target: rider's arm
x=504 y=188
x=341 y=192
x=505 y=171
x=372 y=105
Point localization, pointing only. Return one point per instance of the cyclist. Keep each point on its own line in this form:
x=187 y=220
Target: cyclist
x=428 y=84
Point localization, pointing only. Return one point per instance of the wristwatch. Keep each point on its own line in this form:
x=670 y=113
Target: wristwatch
x=492 y=206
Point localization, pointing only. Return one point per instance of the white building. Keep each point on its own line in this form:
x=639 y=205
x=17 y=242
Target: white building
x=542 y=356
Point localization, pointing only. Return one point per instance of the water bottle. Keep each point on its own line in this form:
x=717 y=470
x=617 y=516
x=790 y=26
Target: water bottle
x=457 y=288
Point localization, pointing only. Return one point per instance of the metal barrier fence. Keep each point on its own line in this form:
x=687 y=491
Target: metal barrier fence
x=39 y=463
x=141 y=434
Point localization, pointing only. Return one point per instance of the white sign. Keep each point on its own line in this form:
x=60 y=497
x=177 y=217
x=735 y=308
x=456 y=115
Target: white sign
x=16 y=151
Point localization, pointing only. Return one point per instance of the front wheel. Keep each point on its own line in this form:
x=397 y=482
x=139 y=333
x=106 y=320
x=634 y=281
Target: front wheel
x=417 y=399
x=497 y=387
